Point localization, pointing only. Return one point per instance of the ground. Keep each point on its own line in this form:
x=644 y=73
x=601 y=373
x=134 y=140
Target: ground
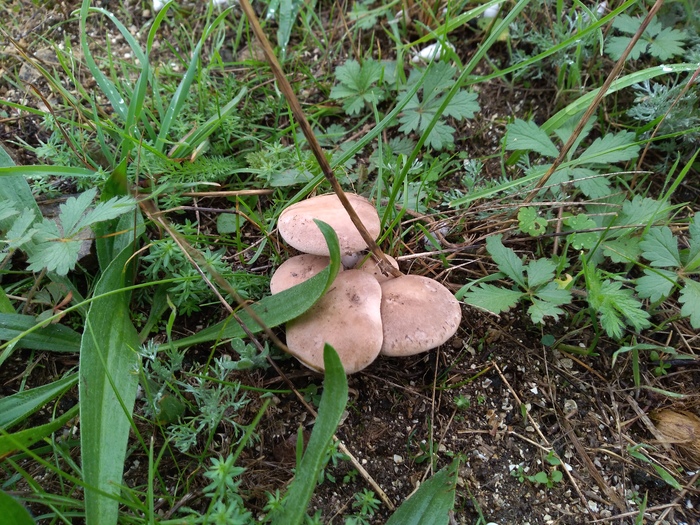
x=495 y=395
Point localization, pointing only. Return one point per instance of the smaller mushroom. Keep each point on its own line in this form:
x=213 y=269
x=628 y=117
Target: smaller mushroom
x=296 y=270
x=297 y=227
x=348 y=318
x=418 y=314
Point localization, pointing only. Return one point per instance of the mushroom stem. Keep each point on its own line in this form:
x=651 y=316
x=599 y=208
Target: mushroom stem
x=294 y=105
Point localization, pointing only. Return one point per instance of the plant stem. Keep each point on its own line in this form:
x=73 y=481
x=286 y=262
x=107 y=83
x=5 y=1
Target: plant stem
x=286 y=89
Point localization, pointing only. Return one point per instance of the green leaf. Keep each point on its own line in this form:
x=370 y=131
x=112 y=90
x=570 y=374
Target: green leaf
x=691 y=256
x=668 y=43
x=13 y=512
x=275 y=309
x=108 y=370
x=10 y=443
x=19 y=406
x=21 y=231
x=690 y=299
x=541 y=309
x=610 y=148
x=357 y=84
x=432 y=502
x=660 y=247
x=656 y=284
x=51 y=338
x=57 y=244
x=553 y=293
x=616 y=306
x=463 y=105
x=539 y=272
x=330 y=412
x=581 y=240
x=526 y=135
x=622 y=249
x=530 y=222
x=492 y=298
x=506 y=259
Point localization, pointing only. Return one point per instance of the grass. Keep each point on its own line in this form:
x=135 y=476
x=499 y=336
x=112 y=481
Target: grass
x=579 y=213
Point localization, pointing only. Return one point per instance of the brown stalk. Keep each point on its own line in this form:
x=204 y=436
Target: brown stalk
x=595 y=103
x=286 y=89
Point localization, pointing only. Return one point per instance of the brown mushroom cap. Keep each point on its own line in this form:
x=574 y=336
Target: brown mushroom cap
x=371 y=266
x=418 y=314
x=297 y=227
x=296 y=270
x=347 y=317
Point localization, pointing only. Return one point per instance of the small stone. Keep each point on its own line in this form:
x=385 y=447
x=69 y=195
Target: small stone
x=398 y=459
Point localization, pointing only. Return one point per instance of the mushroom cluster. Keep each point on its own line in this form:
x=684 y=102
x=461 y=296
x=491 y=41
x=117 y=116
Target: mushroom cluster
x=365 y=312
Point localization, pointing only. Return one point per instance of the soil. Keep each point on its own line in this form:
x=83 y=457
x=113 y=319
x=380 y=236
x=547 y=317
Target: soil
x=495 y=395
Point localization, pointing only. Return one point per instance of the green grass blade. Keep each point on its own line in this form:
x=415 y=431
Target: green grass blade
x=432 y=502
x=17 y=407
x=106 y=85
x=108 y=382
x=275 y=309
x=330 y=410
x=9 y=443
x=53 y=337
x=13 y=511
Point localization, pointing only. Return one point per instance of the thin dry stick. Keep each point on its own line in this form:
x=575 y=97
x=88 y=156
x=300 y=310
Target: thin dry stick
x=286 y=89
x=595 y=103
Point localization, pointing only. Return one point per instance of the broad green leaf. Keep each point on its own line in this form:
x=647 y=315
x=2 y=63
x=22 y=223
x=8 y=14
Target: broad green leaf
x=108 y=382
x=330 y=412
x=539 y=272
x=21 y=231
x=615 y=306
x=660 y=247
x=690 y=299
x=526 y=135
x=656 y=284
x=463 y=105
x=357 y=84
x=541 y=309
x=506 y=259
x=691 y=258
x=622 y=249
x=52 y=338
x=593 y=184
x=12 y=511
x=492 y=298
x=10 y=443
x=276 y=309
x=610 y=148
x=668 y=43
x=578 y=239
x=19 y=406
x=616 y=45
x=432 y=502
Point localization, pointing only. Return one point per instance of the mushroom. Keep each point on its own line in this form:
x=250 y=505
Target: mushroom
x=372 y=267
x=296 y=270
x=418 y=314
x=297 y=227
x=348 y=318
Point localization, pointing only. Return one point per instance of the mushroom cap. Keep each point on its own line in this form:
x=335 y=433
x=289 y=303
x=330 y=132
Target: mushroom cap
x=348 y=318
x=418 y=313
x=297 y=227
x=371 y=266
x=296 y=270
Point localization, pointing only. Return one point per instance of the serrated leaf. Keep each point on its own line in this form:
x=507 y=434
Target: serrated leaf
x=660 y=247
x=555 y=294
x=541 y=309
x=622 y=249
x=356 y=84
x=626 y=23
x=526 y=135
x=463 y=105
x=613 y=147
x=668 y=43
x=105 y=211
x=21 y=231
x=7 y=209
x=615 y=306
x=506 y=259
x=73 y=209
x=656 y=284
x=492 y=298
x=593 y=184
x=642 y=211
x=539 y=272
x=691 y=256
x=616 y=45
x=690 y=299
x=530 y=222
x=51 y=251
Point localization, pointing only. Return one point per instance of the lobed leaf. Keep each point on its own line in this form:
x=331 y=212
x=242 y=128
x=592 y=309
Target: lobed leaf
x=656 y=284
x=526 y=135
x=506 y=259
x=660 y=247
x=492 y=298
x=690 y=299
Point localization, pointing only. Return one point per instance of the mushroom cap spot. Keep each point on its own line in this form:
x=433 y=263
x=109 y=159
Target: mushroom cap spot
x=297 y=227
x=347 y=318
x=371 y=266
x=296 y=270
x=418 y=313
